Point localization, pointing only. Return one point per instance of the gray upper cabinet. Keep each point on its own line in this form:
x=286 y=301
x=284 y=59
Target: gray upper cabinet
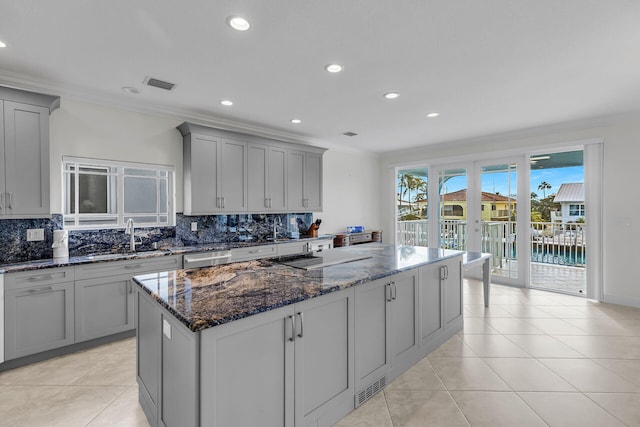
x=227 y=172
x=267 y=178
x=24 y=153
x=201 y=157
x=232 y=179
x=304 y=181
x=313 y=182
x=295 y=181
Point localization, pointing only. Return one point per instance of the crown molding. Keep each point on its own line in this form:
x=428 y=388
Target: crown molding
x=19 y=81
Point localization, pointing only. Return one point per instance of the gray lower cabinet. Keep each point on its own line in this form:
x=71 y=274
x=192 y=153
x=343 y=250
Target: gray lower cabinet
x=452 y=287
x=324 y=358
x=292 y=366
x=39 y=311
x=104 y=306
x=247 y=371
x=431 y=301
x=104 y=294
x=386 y=331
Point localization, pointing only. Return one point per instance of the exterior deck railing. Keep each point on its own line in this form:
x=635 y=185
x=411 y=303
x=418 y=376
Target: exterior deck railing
x=551 y=243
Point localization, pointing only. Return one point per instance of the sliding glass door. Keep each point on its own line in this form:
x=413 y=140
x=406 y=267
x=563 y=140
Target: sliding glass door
x=499 y=218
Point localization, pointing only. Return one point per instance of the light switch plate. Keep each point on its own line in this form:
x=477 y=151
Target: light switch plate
x=194 y=226
x=35 y=234
x=166 y=328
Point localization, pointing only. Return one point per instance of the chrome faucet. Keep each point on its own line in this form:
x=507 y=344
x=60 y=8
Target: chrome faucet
x=131 y=230
x=277 y=221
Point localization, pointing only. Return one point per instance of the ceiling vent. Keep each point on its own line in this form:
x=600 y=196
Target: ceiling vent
x=349 y=133
x=159 y=83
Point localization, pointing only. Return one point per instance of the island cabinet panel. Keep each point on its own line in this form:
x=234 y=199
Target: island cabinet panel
x=324 y=358
x=180 y=370
x=431 y=300
x=148 y=339
x=404 y=328
x=39 y=311
x=103 y=306
x=386 y=331
x=372 y=319
x=452 y=287
x=286 y=367
x=247 y=371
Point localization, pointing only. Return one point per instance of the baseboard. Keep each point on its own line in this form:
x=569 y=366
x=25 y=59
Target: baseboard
x=620 y=300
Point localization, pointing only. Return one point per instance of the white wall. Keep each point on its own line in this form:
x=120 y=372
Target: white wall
x=621 y=206
x=84 y=129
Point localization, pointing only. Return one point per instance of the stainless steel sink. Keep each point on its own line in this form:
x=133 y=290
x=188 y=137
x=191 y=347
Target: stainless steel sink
x=324 y=259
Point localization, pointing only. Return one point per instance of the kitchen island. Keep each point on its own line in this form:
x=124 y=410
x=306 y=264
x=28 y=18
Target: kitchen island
x=265 y=343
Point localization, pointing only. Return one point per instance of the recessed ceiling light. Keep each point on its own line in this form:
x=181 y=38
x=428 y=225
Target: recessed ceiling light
x=226 y=102
x=238 y=23
x=2 y=44
x=333 y=68
x=432 y=115
x=129 y=89
x=296 y=121
x=391 y=95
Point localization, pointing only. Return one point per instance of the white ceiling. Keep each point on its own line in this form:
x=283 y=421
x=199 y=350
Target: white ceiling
x=487 y=66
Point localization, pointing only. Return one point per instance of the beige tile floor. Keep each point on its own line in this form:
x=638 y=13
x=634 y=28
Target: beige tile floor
x=532 y=358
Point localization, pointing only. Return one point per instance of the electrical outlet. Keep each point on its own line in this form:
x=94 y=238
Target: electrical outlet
x=194 y=226
x=35 y=235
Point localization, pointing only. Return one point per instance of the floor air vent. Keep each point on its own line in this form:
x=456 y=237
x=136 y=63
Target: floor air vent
x=159 y=83
x=370 y=391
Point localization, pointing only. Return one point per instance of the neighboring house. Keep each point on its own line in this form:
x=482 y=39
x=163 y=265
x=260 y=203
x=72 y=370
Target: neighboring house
x=495 y=207
x=571 y=199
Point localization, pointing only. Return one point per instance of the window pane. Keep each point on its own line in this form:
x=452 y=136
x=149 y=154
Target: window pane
x=163 y=196
x=142 y=219
x=140 y=195
x=140 y=172
x=93 y=193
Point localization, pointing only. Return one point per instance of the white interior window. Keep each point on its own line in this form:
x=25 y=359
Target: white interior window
x=105 y=194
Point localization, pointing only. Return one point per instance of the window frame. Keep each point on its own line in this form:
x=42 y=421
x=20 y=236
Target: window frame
x=74 y=221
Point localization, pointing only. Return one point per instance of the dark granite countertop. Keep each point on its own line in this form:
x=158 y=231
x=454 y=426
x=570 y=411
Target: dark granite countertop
x=167 y=251
x=206 y=297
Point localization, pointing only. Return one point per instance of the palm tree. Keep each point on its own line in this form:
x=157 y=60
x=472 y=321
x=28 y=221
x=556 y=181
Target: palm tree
x=534 y=196
x=544 y=185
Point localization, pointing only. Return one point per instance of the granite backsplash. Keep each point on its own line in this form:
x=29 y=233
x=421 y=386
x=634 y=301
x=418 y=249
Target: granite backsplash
x=210 y=229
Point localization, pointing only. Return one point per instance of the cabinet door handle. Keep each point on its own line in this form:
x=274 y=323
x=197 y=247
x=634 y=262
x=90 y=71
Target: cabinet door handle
x=256 y=251
x=270 y=203
x=301 y=334
x=1 y=200
x=223 y=202
x=40 y=278
x=37 y=290
x=388 y=291
x=10 y=205
x=132 y=266
x=130 y=286
x=443 y=273
x=394 y=290
x=292 y=338
x=446 y=269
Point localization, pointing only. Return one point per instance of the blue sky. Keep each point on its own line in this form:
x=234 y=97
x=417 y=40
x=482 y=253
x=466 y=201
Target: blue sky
x=498 y=182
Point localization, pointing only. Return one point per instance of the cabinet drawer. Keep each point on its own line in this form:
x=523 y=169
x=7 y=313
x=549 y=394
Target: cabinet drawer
x=359 y=237
x=132 y=267
x=294 y=248
x=25 y=279
x=253 y=252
